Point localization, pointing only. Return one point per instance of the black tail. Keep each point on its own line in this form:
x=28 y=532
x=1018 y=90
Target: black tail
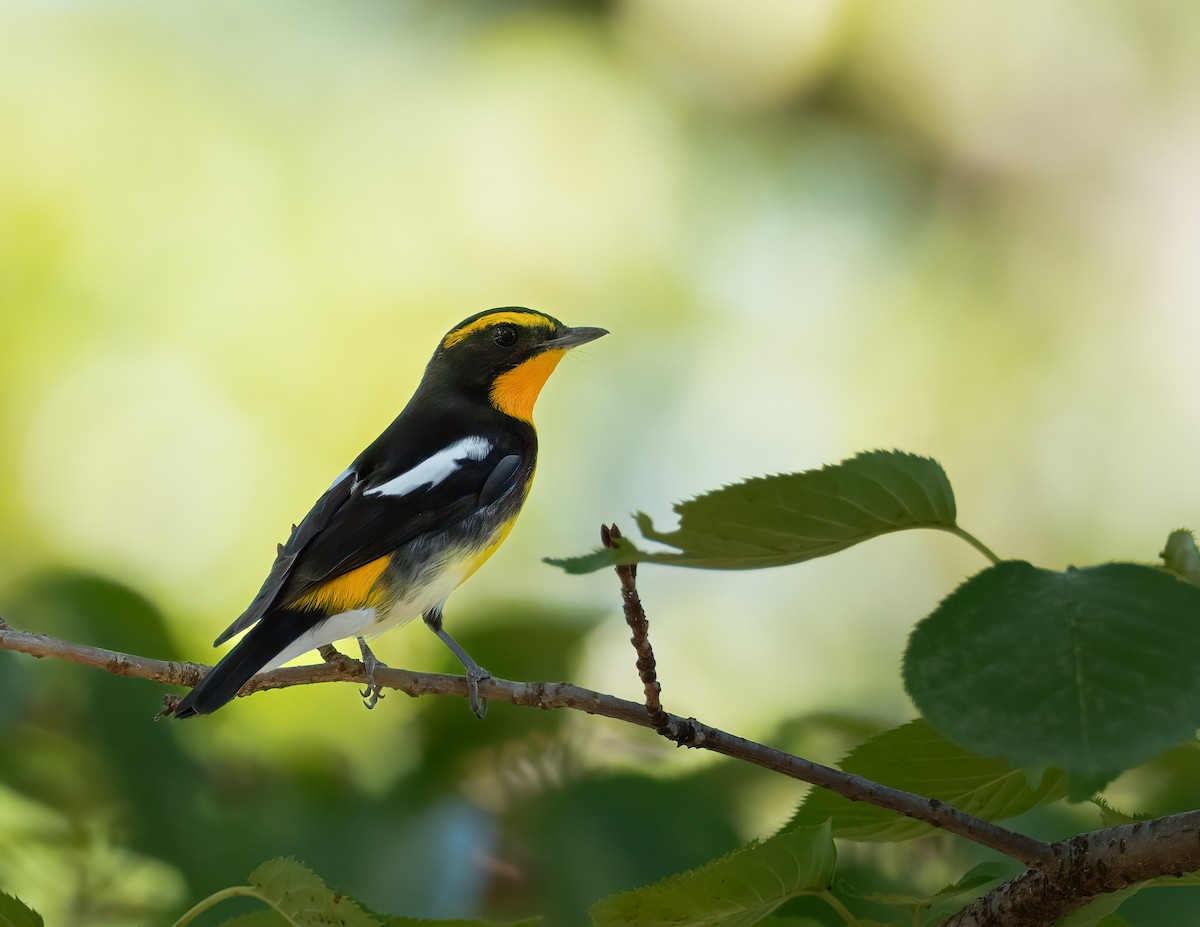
x=254 y=651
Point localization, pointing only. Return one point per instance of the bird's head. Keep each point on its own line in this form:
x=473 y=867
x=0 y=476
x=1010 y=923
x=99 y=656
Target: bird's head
x=505 y=354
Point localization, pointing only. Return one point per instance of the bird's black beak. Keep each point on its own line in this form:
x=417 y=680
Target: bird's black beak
x=574 y=337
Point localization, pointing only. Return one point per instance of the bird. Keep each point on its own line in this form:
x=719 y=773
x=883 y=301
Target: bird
x=414 y=515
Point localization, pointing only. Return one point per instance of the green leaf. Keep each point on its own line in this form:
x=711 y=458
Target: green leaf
x=985 y=874
x=303 y=899
x=973 y=883
x=1180 y=555
x=1167 y=784
x=1114 y=817
x=735 y=891
x=915 y=758
x=1190 y=879
x=977 y=877
x=844 y=889
x=272 y=918
x=266 y=918
x=1101 y=911
x=793 y=517
x=791 y=920
x=14 y=913
x=602 y=557
x=457 y=922
x=1094 y=670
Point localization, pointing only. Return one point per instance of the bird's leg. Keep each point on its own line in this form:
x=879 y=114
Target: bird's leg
x=374 y=691
x=475 y=673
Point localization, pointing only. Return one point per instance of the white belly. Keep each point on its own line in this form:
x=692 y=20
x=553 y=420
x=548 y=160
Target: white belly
x=371 y=622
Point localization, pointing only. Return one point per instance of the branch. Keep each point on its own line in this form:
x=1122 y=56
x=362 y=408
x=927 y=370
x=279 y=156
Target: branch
x=692 y=733
x=688 y=732
x=635 y=617
x=1073 y=873
x=1086 y=866
x=1066 y=876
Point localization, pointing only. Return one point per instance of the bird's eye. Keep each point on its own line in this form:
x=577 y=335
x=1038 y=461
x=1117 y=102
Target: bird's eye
x=505 y=335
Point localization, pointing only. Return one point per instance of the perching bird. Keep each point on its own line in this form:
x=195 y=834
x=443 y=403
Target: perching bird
x=415 y=514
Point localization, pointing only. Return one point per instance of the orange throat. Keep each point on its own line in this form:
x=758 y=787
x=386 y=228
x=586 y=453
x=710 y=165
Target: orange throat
x=515 y=392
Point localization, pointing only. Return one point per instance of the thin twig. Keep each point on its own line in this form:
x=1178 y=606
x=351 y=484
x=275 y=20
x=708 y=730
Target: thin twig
x=690 y=732
x=635 y=617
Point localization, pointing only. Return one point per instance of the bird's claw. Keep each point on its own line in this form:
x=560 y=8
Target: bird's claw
x=371 y=695
x=476 y=675
x=374 y=691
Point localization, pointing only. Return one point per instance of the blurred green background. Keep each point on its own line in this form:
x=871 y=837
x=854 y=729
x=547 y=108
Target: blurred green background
x=231 y=235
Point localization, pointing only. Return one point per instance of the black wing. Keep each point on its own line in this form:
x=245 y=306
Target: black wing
x=372 y=511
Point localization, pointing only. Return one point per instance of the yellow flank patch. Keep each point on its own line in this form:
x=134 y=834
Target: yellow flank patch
x=515 y=392
x=524 y=319
x=482 y=556
x=355 y=589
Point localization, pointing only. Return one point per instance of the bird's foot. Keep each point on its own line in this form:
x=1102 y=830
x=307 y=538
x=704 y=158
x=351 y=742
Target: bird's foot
x=475 y=675
x=374 y=691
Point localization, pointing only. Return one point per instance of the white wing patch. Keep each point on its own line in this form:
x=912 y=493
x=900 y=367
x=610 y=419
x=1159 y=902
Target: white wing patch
x=435 y=469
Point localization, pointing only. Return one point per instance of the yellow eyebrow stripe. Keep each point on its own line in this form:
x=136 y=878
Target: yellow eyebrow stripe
x=525 y=319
